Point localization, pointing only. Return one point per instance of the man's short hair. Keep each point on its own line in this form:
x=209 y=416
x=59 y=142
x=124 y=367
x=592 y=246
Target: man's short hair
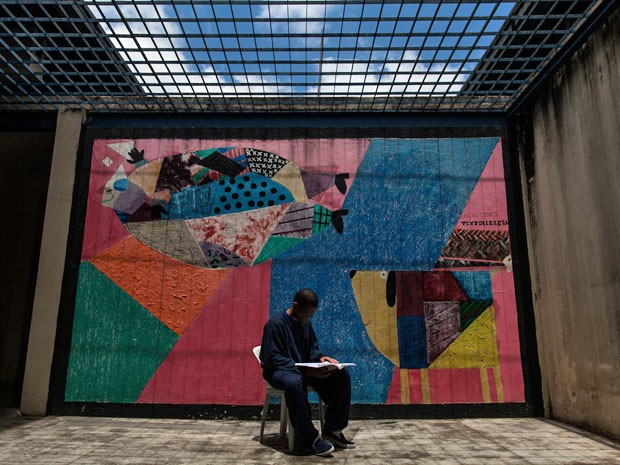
x=306 y=298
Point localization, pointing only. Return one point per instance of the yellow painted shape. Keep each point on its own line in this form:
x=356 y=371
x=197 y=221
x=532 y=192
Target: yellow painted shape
x=498 y=384
x=484 y=382
x=404 y=386
x=476 y=347
x=379 y=319
x=425 y=386
x=146 y=176
x=290 y=177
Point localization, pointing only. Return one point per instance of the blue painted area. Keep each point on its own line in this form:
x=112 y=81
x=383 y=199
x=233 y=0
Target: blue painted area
x=476 y=284
x=121 y=185
x=122 y=216
x=242 y=160
x=230 y=195
x=412 y=342
x=337 y=323
x=403 y=205
x=192 y=202
x=248 y=192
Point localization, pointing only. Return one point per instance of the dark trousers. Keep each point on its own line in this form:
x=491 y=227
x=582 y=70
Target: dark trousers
x=335 y=390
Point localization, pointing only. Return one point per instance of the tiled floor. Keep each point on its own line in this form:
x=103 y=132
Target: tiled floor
x=88 y=440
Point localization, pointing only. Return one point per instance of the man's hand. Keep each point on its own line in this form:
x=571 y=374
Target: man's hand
x=328 y=359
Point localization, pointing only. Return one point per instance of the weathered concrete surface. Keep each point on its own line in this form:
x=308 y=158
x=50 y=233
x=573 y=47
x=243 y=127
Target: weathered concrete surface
x=51 y=263
x=569 y=149
x=101 y=441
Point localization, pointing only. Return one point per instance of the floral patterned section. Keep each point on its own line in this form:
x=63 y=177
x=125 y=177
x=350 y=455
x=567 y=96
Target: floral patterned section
x=245 y=233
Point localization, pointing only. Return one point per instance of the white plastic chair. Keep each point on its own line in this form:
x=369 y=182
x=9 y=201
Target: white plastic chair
x=284 y=418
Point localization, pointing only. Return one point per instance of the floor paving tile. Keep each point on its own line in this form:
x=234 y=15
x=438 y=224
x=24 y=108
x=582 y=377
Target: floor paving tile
x=128 y=441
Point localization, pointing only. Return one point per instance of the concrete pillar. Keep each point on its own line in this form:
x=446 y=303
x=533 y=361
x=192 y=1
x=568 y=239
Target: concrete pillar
x=51 y=263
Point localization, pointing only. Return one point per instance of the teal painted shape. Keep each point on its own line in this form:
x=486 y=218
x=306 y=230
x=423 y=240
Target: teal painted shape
x=275 y=246
x=116 y=345
x=476 y=284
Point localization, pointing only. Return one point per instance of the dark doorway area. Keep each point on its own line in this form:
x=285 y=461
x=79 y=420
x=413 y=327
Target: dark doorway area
x=25 y=161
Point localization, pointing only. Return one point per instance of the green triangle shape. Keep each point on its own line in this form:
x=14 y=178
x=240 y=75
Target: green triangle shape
x=116 y=344
x=472 y=309
x=275 y=246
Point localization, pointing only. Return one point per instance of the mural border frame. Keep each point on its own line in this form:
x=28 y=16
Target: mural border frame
x=182 y=127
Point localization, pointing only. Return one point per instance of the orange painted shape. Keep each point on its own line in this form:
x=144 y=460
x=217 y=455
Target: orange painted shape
x=172 y=291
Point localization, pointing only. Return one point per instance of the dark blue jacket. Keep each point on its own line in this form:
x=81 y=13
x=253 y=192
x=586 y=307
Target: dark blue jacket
x=279 y=349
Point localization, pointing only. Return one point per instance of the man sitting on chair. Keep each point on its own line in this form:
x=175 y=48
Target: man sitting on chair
x=288 y=338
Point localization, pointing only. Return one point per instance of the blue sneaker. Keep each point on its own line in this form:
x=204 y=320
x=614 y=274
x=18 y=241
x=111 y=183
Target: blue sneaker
x=321 y=448
x=339 y=441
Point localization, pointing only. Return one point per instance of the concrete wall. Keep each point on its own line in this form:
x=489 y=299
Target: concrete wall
x=569 y=148
x=51 y=263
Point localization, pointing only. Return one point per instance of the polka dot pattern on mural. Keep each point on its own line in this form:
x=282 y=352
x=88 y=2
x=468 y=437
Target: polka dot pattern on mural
x=248 y=192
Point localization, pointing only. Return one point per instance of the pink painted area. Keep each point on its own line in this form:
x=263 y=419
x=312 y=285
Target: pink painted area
x=212 y=363
x=508 y=336
x=455 y=386
x=447 y=386
x=319 y=155
x=415 y=387
x=331 y=199
x=393 y=396
x=488 y=199
x=102 y=227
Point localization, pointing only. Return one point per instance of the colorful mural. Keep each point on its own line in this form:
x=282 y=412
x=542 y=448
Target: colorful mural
x=190 y=245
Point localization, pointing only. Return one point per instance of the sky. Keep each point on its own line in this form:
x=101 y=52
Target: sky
x=300 y=47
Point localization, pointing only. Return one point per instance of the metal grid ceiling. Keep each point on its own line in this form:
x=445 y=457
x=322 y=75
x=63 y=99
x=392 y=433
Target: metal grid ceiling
x=274 y=55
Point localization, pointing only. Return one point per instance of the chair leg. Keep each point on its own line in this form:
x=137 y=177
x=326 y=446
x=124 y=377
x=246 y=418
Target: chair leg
x=284 y=419
x=321 y=413
x=264 y=418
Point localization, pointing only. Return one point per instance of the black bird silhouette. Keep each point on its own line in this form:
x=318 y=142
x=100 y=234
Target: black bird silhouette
x=337 y=220
x=340 y=182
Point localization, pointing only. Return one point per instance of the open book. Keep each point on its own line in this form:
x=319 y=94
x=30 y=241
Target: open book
x=340 y=366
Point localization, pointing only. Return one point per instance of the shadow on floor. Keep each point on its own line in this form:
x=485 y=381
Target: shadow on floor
x=16 y=422
x=275 y=442
x=279 y=444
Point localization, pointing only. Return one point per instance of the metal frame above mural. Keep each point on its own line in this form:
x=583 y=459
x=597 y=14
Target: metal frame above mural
x=424 y=296
x=235 y=56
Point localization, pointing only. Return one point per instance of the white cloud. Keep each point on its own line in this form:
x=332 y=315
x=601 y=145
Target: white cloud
x=160 y=69
x=405 y=75
x=300 y=11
